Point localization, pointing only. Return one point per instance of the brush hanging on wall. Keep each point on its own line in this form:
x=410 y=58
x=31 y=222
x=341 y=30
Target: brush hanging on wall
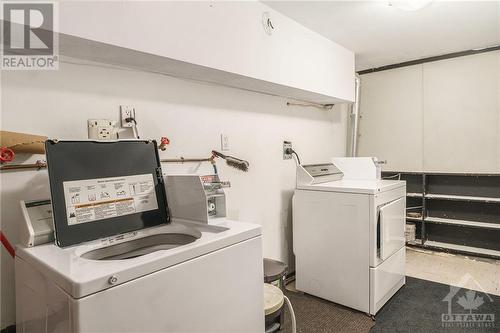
x=233 y=161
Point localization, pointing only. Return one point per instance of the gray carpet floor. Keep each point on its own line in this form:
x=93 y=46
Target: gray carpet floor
x=417 y=307
x=315 y=315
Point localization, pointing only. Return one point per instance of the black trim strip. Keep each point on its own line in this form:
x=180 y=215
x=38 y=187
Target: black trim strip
x=456 y=251
x=9 y=329
x=430 y=59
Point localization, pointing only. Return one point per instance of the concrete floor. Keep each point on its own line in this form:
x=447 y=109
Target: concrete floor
x=453 y=269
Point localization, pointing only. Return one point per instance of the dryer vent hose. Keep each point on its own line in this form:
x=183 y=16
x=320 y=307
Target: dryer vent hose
x=292 y=314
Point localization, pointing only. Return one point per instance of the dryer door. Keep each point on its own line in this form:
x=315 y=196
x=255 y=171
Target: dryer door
x=392 y=227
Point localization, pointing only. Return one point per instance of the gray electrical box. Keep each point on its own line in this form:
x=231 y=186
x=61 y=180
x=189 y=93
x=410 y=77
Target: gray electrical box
x=196 y=198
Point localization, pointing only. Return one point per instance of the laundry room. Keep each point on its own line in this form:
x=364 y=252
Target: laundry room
x=250 y=166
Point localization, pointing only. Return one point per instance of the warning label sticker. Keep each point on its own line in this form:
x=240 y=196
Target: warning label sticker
x=97 y=199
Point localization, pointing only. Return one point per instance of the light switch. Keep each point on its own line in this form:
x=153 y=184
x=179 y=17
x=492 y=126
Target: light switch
x=224 y=142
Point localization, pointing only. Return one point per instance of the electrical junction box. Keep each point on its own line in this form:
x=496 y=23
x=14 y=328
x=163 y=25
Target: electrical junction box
x=196 y=198
x=224 y=142
x=102 y=129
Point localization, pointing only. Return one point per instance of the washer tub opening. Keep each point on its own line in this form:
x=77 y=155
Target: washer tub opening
x=141 y=246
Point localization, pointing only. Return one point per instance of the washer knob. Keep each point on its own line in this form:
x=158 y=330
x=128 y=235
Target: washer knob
x=112 y=280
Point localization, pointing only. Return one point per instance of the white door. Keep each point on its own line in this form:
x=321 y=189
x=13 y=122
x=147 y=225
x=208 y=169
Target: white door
x=392 y=227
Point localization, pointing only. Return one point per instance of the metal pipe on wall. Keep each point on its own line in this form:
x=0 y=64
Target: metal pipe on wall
x=186 y=160
x=32 y=166
x=353 y=121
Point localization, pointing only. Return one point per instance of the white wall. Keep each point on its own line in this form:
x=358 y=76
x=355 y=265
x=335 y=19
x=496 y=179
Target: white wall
x=461 y=113
x=192 y=115
x=438 y=116
x=391 y=118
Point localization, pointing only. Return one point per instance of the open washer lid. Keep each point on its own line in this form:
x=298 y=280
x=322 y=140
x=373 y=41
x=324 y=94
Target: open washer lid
x=100 y=188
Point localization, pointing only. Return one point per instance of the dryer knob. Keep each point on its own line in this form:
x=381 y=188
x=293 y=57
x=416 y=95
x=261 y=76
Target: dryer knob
x=112 y=280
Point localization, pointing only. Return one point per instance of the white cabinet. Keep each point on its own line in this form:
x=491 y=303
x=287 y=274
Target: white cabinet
x=220 y=42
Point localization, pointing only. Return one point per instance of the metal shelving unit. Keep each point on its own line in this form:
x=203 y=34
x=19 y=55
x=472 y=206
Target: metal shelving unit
x=460 y=197
x=462 y=249
x=474 y=224
x=454 y=212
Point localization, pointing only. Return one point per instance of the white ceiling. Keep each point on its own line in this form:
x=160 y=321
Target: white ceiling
x=380 y=34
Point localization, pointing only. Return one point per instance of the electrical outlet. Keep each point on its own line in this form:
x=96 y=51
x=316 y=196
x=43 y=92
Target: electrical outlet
x=127 y=112
x=101 y=129
x=224 y=142
x=286 y=145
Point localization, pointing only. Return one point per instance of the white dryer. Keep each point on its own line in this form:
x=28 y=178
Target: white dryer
x=348 y=237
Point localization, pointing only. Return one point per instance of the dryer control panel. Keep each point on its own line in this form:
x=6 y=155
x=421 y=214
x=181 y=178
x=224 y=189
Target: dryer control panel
x=311 y=174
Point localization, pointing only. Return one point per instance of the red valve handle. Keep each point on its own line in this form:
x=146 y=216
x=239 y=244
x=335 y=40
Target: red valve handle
x=6 y=154
x=5 y=242
x=164 y=141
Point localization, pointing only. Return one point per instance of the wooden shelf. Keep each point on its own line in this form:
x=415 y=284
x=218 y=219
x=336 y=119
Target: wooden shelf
x=461 y=198
x=466 y=223
x=462 y=248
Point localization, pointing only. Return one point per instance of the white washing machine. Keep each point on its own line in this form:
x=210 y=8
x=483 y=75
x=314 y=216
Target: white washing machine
x=119 y=262
x=348 y=235
x=213 y=284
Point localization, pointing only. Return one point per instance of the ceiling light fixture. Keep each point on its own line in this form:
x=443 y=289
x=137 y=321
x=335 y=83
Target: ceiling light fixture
x=409 y=5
